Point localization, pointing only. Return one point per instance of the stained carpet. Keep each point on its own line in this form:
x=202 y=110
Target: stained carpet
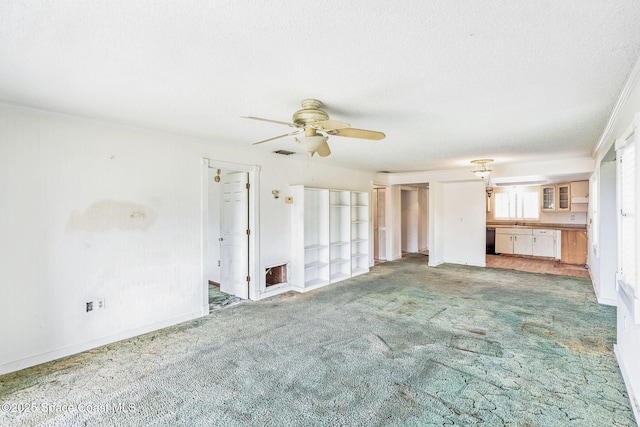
x=404 y=345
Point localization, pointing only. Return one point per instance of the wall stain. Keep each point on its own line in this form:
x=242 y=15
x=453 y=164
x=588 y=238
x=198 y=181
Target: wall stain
x=105 y=215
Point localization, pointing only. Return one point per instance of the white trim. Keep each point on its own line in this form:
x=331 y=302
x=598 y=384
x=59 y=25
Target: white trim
x=633 y=398
x=89 y=345
x=628 y=87
x=204 y=232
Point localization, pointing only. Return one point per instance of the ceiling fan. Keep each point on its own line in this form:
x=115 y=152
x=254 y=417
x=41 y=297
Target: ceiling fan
x=314 y=122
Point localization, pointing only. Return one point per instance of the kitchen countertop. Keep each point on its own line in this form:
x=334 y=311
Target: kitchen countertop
x=512 y=224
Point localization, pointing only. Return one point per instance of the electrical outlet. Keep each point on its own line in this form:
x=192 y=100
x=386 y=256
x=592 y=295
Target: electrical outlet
x=100 y=303
x=89 y=306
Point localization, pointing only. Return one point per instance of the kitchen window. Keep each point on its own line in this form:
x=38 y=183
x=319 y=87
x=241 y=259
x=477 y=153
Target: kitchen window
x=517 y=203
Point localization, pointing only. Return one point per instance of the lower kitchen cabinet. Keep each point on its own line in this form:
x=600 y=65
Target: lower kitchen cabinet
x=517 y=241
x=574 y=247
x=526 y=241
x=544 y=243
x=504 y=243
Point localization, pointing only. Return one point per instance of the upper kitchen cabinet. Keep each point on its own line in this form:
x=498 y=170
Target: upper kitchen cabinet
x=579 y=196
x=548 y=195
x=564 y=197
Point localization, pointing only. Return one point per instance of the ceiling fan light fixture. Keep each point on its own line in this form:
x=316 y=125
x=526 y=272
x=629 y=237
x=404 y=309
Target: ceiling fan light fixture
x=311 y=144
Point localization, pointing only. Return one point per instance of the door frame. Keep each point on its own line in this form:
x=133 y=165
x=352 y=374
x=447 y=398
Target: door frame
x=254 y=225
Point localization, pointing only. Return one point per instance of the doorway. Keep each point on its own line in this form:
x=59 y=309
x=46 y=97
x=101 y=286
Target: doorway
x=414 y=218
x=230 y=229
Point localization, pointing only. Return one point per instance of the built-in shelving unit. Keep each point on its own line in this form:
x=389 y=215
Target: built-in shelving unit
x=359 y=233
x=330 y=236
x=340 y=239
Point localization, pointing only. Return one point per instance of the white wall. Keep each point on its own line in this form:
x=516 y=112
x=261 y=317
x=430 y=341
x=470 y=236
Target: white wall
x=409 y=220
x=464 y=223
x=437 y=235
x=394 y=222
x=423 y=219
x=627 y=348
x=94 y=210
x=603 y=272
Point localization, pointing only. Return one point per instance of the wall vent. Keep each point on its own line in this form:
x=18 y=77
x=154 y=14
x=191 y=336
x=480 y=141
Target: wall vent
x=276 y=275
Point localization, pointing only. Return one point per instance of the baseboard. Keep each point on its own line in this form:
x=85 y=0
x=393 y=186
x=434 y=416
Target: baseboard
x=277 y=291
x=607 y=301
x=633 y=398
x=79 y=348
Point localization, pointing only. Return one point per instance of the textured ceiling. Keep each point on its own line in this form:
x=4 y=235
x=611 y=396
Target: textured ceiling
x=447 y=81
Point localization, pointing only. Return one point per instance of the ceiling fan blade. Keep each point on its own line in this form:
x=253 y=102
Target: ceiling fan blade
x=327 y=125
x=323 y=150
x=279 y=136
x=269 y=120
x=358 y=133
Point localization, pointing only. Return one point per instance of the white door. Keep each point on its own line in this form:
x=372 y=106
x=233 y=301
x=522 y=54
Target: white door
x=234 y=235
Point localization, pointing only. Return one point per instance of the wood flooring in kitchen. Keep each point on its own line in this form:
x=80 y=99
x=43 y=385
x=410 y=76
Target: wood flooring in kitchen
x=537 y=265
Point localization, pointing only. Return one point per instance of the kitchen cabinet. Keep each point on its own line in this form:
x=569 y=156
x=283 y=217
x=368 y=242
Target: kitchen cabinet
x=329 y=236
x=544 y=243
x=518 y=241
x=504 y=243
x=579 y=196
x=526 y=241
x=523 y=244
x=574 y=247
x=564 y=197
x=548 y=195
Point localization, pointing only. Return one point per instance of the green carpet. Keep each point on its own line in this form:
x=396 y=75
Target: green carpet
x=406 y=345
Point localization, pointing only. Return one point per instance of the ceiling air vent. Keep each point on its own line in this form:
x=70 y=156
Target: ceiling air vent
x=284 y=152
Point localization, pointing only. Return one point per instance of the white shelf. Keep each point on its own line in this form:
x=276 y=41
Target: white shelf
x=316 y=264
x=340 y=243
x=339 y=261
x=315 y=283
x=315 y=247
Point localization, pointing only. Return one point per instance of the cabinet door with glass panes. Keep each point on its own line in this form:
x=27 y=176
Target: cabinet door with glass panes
x=564 y=197
x=548 y=195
